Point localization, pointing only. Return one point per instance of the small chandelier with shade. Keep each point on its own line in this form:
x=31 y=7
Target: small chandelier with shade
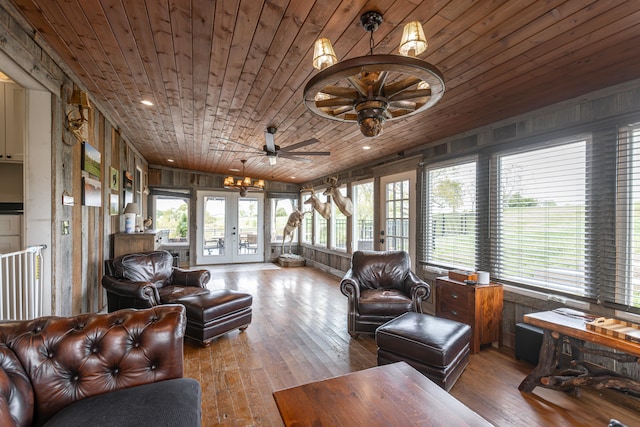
x=243 y=184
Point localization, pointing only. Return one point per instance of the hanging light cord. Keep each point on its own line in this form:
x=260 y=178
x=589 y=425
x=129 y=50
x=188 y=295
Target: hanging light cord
x=371 y=43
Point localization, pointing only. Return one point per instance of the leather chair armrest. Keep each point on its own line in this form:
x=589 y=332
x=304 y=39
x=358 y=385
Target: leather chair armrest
x=349 y=286
x=418 y=289
x=126 y=288
x=195 y=278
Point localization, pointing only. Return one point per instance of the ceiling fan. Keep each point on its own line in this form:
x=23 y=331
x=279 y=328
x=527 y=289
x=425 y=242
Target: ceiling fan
x=274 y=151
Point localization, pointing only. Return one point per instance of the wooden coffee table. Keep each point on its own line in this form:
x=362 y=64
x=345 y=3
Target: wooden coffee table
x=389 y=395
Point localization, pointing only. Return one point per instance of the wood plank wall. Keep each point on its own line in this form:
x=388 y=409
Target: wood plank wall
x=77 y=258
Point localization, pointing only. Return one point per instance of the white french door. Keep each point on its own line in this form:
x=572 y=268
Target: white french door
x=397 y=213
x=229 y=228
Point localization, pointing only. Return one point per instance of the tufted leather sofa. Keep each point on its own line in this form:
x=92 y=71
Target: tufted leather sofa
x=380 y=287
x=148 y=279
x=119 y=369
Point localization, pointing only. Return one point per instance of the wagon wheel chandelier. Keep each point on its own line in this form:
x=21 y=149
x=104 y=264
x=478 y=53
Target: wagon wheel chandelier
x=373 y=89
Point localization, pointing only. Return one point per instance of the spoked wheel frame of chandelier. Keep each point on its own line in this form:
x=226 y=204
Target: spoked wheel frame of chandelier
x=373 y=89
x=391 y=91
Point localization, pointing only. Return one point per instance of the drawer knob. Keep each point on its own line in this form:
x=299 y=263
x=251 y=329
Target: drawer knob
x=454 y=312
x=454 y=296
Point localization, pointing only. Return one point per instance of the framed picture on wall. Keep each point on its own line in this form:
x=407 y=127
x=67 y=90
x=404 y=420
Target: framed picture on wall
x=114 y=202
x=114 y=181
x=91 y=192
x=90 y=160
x=127 y=180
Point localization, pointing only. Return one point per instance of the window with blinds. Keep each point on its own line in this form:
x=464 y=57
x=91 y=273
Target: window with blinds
x=338 y=223
x=626 y=290
x=450 y=199
x=363 y=211
x=307 y=222
x=540 y=231
x=320 y=223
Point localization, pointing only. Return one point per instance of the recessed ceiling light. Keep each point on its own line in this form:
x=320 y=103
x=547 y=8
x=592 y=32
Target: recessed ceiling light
x=170 y=160
x=234 y=170
x=293 y=177
x=146 y=102
x=366 y=147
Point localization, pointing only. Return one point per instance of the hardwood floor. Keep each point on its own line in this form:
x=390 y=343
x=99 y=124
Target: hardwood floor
x=299 y=335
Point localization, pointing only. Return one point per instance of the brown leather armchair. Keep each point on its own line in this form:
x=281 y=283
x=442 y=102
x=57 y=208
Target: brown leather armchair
x=149 y=279
x=380 y=287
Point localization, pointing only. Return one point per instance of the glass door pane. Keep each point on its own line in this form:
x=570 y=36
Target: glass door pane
x=398 y=223
x=248 y=226
x=214 y=226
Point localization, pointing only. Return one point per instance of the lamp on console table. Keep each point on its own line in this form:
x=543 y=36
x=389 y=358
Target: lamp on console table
x=130 y=213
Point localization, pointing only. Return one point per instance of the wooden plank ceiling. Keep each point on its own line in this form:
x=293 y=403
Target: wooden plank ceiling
x=220 y=72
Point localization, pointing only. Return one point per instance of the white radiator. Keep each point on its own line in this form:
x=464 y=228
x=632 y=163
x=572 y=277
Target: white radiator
x=21 y=284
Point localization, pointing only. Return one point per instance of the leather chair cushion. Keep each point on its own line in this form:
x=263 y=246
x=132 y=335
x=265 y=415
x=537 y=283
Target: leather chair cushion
x=380 y=270
x=173 y=402
x=154 y=267
x=431 y=340
x=173 y=294
x=383 y=302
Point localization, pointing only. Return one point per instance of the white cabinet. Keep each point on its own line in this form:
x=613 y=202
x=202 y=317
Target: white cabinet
x=12 y=122
x=10 y=233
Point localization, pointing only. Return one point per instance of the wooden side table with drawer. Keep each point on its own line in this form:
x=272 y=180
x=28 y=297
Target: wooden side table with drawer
x=479 y=306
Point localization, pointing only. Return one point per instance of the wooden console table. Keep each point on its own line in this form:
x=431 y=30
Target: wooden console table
x=388 y=395
x=568 y=327
x=130 y=243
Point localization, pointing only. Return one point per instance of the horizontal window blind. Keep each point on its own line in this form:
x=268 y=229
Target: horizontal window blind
x=450 y=226
x=539 y=237
x=625 y=291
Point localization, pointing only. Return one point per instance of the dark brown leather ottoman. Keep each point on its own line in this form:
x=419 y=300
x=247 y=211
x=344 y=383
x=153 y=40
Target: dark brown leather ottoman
x=439 y=348
x=216 y=313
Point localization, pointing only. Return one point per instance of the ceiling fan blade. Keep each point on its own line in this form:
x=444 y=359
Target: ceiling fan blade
x=290 y=156
x=269 y=142
x=235 y=142
x=299 y=145
x=307 y=153
x=224 y=150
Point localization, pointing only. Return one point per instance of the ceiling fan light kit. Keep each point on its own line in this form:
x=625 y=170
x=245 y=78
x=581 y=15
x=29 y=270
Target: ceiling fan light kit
x=373 y=89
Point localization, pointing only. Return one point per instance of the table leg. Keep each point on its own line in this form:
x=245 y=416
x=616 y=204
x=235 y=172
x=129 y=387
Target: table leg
x=547 y=362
